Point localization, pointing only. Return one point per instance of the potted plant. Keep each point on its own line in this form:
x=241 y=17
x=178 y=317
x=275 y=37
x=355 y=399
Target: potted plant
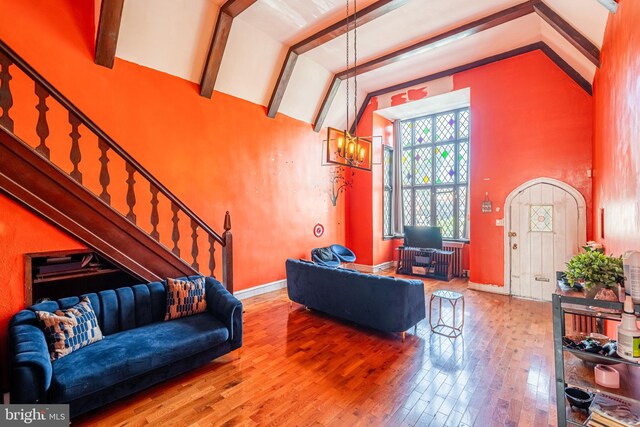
x=599 y=274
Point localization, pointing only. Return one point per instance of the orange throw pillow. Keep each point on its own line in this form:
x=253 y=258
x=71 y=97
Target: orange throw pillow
x=185 y=298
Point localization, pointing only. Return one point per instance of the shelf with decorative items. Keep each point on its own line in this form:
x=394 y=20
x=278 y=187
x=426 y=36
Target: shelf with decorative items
x=576 y=357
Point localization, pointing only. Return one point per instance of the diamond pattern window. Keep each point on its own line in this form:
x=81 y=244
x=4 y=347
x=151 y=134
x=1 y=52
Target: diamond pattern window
x=435 y=171
x=387 y=168
x=542 y=218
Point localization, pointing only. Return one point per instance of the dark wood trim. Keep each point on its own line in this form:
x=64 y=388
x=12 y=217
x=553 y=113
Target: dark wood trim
x=366 y=15
x=568 y=69
x=228 y=11
x=571 y=72
x=53 y=194
x=88 y=123
x=326 y=103
x=227 y=254
x=573 y=36
x=235 y=7
x=363 y=107
x=108 y=31
x=439 y=40
x=282 y=83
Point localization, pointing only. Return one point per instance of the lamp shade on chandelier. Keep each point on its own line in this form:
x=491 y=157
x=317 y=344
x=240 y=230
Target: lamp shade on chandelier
x=346 y=150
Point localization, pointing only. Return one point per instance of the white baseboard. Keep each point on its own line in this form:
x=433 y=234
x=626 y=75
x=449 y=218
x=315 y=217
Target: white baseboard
x=261 y=289
x=494 y=289
x=372 y=268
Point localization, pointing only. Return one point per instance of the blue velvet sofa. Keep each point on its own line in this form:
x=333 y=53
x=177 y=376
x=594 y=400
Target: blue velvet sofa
x=379 y=302
x=139 y=348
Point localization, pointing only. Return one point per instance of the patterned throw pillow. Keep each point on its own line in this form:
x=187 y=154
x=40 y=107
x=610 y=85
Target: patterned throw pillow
x=185 y=298
x=70 y=329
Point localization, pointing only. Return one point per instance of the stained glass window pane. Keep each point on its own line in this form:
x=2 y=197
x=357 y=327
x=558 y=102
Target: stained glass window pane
x=407 y=167
x=387 y=213
x=388 y=158
x=423 y=129
x=445 y=127
x=462 y=212
x=405 y=133
x=422 y=166
x=445 y=164
x=463 y=161
x=407 y=206
x=423 y=207
x=542 y=218
x=444 y=211
x=463 y=124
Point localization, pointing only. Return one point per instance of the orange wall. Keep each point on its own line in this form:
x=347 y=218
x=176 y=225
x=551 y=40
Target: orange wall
x=21 y=232
x=215 y=154
x=616 y=154
x=528 y=120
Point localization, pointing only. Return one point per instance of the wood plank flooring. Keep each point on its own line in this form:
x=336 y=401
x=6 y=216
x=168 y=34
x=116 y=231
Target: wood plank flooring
x=300 y=367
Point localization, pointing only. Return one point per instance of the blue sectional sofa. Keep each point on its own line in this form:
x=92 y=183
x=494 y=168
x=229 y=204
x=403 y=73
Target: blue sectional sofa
x=139 y=348
x=383 y=303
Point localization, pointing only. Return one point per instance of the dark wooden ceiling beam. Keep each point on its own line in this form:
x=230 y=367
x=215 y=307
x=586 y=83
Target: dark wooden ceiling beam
x=573 y=36
x=326 y=103
x=439 y=40
x=458 y=33
x=548 y=51
x=228 y=11
x=368 y=14
x=108 y=31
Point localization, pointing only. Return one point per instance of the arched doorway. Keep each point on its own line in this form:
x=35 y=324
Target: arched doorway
x=545 y=224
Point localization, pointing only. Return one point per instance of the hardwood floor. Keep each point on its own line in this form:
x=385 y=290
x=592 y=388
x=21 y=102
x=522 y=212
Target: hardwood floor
x=301 y=367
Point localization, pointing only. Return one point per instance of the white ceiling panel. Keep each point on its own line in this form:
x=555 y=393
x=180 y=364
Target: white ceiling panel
x=168 y=35
x=404 y=26
x=569 y=53
x=306 y=87
x=511 y=35
x=250 y=64
x=290 y=21
x=587 y=16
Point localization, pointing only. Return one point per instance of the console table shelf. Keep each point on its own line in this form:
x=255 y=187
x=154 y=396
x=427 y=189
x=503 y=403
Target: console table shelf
x=425 y=262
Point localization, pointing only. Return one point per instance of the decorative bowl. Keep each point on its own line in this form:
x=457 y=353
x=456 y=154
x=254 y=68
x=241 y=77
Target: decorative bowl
x=579 y=398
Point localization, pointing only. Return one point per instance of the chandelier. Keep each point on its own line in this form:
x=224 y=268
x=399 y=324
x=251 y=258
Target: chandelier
x=342 y=147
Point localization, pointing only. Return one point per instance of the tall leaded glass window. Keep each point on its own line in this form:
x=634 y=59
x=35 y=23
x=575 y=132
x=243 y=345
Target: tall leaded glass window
x=387 y=164
x=435 y=171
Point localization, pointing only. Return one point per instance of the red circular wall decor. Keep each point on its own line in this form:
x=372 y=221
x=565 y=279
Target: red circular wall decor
x=318 y=230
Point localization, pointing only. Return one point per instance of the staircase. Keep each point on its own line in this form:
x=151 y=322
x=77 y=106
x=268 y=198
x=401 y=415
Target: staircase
x=102 y=213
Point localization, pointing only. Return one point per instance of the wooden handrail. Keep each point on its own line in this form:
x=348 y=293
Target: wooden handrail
x=33 y=74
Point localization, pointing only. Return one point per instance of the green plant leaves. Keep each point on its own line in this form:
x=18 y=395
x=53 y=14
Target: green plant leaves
x=595 y=268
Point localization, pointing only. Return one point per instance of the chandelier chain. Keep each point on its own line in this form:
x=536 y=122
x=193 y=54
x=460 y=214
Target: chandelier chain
x=355 y=59
x=347 y=60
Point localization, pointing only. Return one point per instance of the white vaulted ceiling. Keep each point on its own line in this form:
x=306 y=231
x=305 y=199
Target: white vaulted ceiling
x=173 y=36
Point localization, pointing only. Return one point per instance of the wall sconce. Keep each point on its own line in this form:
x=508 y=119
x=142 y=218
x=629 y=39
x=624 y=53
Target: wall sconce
x=487 y=206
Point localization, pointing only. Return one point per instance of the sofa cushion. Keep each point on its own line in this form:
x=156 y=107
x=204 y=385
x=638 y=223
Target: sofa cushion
x=130 y=353
x=185 y=298
x=70 y=329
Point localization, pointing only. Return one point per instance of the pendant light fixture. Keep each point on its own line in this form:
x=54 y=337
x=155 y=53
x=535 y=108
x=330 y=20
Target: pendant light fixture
x=342 y=147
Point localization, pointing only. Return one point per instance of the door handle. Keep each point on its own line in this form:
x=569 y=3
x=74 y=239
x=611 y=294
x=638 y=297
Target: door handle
x=541 y=279
x=515 y=246
x=512 y=234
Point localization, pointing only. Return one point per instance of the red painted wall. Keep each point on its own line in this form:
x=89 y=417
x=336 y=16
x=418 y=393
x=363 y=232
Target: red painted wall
x=616 y=154
x=216 y=155
x=528 y=120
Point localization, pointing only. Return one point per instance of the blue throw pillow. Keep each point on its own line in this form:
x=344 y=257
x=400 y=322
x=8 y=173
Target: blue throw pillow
x=71 y=329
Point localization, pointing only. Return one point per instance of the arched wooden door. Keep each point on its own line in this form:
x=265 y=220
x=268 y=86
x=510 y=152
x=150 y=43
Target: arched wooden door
x=545 y=228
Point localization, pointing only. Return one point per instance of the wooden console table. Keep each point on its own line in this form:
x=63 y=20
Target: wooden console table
x=423 y=262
